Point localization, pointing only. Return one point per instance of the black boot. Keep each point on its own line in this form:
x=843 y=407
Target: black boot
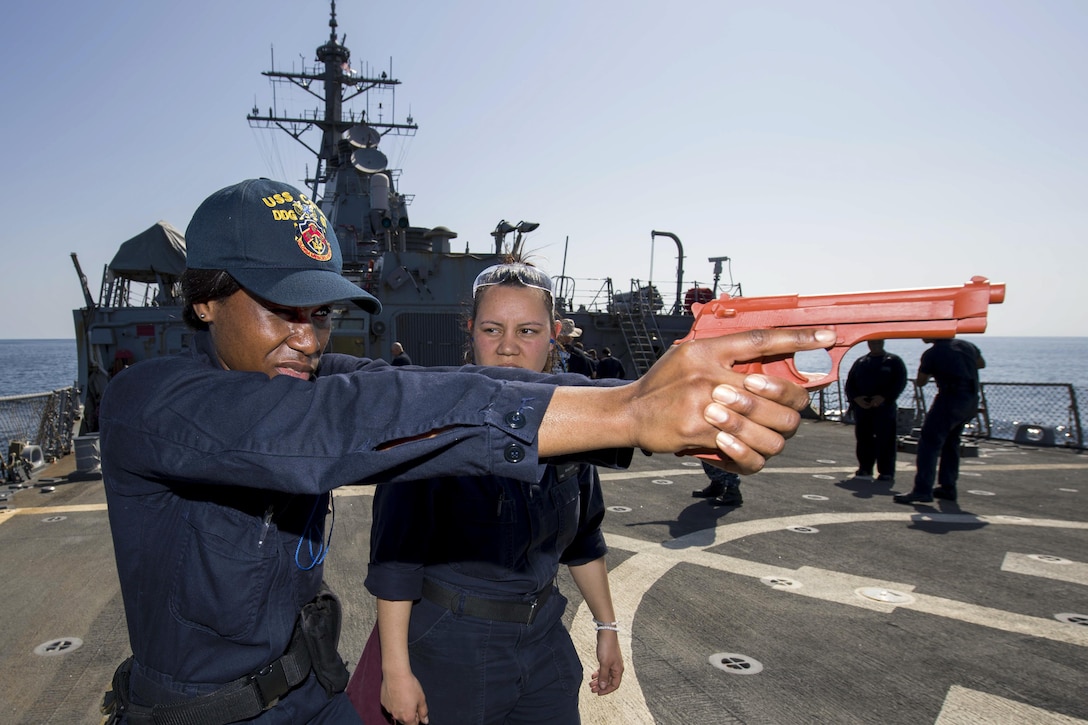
x=945 y=492
x=714 y=488
x=913 y=497
x=730 y=497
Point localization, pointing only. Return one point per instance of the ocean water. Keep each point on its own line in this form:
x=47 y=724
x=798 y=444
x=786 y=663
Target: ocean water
x=35 y=366
x=1026 y=360
x=1008 y=359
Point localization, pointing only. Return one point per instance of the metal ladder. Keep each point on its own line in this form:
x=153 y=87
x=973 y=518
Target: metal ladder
x=640 y=330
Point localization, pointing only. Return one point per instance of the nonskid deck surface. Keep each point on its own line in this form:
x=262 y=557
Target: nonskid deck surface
x=817 y=601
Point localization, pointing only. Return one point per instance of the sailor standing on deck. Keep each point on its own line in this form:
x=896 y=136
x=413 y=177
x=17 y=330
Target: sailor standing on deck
x=954 y=364
x=610 y=367
x=470 y=618
x=873 y=387
x=218 y=463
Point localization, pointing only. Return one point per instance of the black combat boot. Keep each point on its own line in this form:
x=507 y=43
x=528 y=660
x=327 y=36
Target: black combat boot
x=714 y=488
x=729 y=497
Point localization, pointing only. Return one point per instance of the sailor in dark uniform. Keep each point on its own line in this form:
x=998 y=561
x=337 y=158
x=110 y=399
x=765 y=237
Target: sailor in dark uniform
x=610 y=367
x=400 y=357
x=954 y=364
x=572 y=356
x=873 y=387
x=218 y=463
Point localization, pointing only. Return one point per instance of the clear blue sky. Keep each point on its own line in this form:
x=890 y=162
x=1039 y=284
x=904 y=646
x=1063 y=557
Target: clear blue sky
x=825 y=146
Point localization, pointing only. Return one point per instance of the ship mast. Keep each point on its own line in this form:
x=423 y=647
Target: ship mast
x=339 y=83
x=351 y=183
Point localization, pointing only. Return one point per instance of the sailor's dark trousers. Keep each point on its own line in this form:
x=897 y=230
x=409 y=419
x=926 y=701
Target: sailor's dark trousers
x=481 y=672
x=940 y=440
x=874 y=430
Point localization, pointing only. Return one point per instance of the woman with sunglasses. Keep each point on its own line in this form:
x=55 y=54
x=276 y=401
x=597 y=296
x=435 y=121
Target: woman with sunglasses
x=464 y=568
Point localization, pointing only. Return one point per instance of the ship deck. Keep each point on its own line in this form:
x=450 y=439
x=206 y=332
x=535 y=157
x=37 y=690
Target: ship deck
x=818 y=601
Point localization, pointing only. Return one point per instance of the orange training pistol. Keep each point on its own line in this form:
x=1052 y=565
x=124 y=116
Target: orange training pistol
x=854 y=317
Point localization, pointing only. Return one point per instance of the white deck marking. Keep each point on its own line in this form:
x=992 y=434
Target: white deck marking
x=847 y=471
x=1073 y=572
x=970 y=707
x=651 y=560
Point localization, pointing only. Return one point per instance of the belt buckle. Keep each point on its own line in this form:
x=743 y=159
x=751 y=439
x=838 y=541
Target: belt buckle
x=271 y=682
x=533 y=609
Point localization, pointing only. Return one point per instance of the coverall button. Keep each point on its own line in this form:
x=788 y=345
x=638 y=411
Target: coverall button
x=514 y=453
x=515 y=419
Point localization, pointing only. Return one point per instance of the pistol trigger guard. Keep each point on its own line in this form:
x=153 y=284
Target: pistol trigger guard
x=836 y=354
x=785 y=368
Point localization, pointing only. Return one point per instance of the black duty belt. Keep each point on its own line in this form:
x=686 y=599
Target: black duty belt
x=241 y=699
x=493 y=609
x=312 y=649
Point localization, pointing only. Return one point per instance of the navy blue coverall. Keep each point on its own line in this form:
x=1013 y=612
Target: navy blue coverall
x=874 y=428
x=498 y=539
x=217 y=484
x=954 y=364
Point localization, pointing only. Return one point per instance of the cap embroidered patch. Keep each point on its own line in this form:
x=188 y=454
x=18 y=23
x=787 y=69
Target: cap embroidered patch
x=311 y=230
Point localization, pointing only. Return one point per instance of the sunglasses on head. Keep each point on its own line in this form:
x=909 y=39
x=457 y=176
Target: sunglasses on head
x=505 y=273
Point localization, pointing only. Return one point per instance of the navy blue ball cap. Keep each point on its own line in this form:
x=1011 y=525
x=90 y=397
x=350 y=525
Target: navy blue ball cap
x=275 y=242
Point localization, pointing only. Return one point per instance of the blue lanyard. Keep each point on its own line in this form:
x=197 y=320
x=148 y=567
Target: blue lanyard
x=313 y=531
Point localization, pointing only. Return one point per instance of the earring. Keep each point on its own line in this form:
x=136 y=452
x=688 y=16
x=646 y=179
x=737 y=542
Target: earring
x=202 y=316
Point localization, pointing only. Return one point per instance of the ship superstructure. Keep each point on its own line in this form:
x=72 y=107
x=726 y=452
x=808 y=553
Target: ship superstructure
x=422 y=282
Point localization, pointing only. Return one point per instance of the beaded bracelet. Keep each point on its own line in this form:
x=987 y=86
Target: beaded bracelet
x=610 y=626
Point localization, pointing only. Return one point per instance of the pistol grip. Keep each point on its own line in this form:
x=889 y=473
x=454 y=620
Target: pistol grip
x=785 y=367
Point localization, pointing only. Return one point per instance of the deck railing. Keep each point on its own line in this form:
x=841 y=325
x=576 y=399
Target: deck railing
x=45 y=420
x=1031 y=413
